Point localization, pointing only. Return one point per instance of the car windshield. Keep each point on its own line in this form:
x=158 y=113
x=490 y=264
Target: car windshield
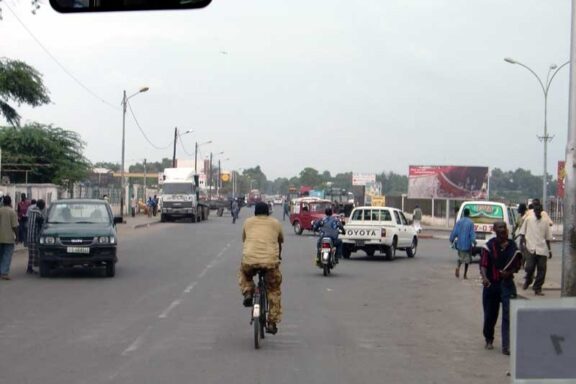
x=485 y=213
x=178 y=188
x=78 y=213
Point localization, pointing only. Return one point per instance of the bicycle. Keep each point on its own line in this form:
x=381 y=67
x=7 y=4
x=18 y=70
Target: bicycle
x=259 y=309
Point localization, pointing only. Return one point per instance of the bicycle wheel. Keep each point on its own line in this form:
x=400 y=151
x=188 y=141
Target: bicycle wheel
x=256 y=322
x=263 y=313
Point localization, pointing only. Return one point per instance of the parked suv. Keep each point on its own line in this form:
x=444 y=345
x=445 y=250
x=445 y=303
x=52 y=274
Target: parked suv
x=78 y=232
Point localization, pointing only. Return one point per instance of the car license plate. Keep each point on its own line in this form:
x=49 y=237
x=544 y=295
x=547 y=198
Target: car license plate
x=360 y=243
x=83 y=250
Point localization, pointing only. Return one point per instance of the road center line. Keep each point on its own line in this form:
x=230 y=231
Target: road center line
x=172 y=305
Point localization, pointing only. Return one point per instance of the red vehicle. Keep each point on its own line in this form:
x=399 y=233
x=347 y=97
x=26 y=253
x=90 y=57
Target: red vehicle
x=305 y=210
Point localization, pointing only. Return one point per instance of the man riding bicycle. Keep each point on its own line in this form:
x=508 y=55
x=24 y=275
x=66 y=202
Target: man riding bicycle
x=262 y=237
x=330 y=227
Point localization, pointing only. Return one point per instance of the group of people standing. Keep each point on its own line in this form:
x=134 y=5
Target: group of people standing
x=20 y=225
x=501 y=257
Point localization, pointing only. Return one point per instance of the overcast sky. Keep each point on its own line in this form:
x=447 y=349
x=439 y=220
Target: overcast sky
x=336 y=85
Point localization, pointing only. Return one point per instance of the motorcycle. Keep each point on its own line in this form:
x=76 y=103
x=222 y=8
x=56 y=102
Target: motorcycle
x=327 y=255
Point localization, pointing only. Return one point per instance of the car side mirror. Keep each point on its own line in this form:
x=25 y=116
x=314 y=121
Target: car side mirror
x=118 y=220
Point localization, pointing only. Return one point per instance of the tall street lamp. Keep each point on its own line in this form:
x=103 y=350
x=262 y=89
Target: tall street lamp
x=196 y=154
x=176 y=134
x=219 y=181
x=122 y=181
x=553 y=69
x=210 y=173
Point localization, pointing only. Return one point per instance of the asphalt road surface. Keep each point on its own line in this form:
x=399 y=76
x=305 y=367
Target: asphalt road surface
x=173 y=314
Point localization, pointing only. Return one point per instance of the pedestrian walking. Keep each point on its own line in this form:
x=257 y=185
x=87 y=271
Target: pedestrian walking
x=465 y=237
x=133 y=204
x=36 y=219
x=22 y=210
x=8 y=236
x=234 y=210
x=535 y=236
x=417 y=218
x=286 y=210
x=499 y=261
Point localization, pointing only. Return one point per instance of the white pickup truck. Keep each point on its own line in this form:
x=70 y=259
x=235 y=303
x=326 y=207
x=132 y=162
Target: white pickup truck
x=382 y=229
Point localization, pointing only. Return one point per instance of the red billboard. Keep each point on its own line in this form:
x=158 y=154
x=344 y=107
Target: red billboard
x=448 y=182
x=560 y=179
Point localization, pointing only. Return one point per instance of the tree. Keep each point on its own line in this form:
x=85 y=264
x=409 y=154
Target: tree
x=21 y=83
x=43 y=154
x=254 y=178
x=114 y=167
x=310 y=177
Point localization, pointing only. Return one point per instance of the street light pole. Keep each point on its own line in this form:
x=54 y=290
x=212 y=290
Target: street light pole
x=122 y=181
x=196 y=154
x=545 y=138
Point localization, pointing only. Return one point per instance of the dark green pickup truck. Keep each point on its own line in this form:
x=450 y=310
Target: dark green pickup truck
x=78 y=232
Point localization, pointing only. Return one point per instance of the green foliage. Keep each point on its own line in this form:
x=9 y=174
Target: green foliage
x=20 y=83
x=518 y=185
x=311 y=177
x=48 y=154
x=393 y=184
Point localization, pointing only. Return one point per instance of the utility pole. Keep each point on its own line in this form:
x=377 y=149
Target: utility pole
x=174 y=152
x=569 y=232
x=210 y=178
x=144 y=197
x=218 y=181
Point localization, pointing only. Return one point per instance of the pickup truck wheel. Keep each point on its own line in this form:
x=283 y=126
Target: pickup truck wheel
x=220 y=212
x=346 y=252
x=298 y=228
x=110 y=269
x=411 y=252
x=391 y=250
x=370 y=251
x=162 y=218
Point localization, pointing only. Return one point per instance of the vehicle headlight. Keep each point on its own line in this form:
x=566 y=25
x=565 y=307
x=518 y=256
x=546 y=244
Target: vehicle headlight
x=47 y=240
x=104 y=240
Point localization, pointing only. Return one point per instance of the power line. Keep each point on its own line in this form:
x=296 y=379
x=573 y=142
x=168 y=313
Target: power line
x=182 y=145
x=66 y=71
x=142 y=131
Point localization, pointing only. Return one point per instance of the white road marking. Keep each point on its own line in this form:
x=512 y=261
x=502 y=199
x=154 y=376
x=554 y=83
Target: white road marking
x=172 y=305
x=137 y=343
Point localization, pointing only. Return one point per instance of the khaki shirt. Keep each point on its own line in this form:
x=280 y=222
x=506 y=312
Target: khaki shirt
x=261 y=236
x=8 y=221
x=536 y=232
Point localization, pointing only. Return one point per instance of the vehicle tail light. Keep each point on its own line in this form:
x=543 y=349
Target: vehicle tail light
x=326 y=245
x=383 y=232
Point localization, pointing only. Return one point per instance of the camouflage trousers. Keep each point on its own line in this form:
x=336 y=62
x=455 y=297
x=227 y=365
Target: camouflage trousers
x=273 y=280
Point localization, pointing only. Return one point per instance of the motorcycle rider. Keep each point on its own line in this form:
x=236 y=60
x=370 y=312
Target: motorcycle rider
x=330 y=227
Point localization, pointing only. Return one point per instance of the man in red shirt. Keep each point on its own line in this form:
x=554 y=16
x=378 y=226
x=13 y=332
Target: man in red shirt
x=22 y=211
x=499 y=261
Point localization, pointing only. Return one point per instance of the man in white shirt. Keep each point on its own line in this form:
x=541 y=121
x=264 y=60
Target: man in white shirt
x=535 y=236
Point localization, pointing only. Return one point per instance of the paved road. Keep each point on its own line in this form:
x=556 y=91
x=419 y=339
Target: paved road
x=173 y=314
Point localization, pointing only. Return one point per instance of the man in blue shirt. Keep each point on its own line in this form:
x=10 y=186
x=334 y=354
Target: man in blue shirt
x=465 y=237
x=330 y=227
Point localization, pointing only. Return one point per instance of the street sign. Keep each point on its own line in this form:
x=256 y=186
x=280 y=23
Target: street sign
x=543 y=340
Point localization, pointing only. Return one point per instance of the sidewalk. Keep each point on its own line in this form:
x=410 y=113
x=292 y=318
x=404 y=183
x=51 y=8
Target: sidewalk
x=552 y=286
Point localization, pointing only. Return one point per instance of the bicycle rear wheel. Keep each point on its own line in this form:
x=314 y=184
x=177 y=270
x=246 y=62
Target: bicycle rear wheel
x=263 y=313
x=256 y=323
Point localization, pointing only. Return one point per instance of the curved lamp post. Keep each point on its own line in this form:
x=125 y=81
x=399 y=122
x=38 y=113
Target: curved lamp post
x=122 y=181
x=553 y=69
